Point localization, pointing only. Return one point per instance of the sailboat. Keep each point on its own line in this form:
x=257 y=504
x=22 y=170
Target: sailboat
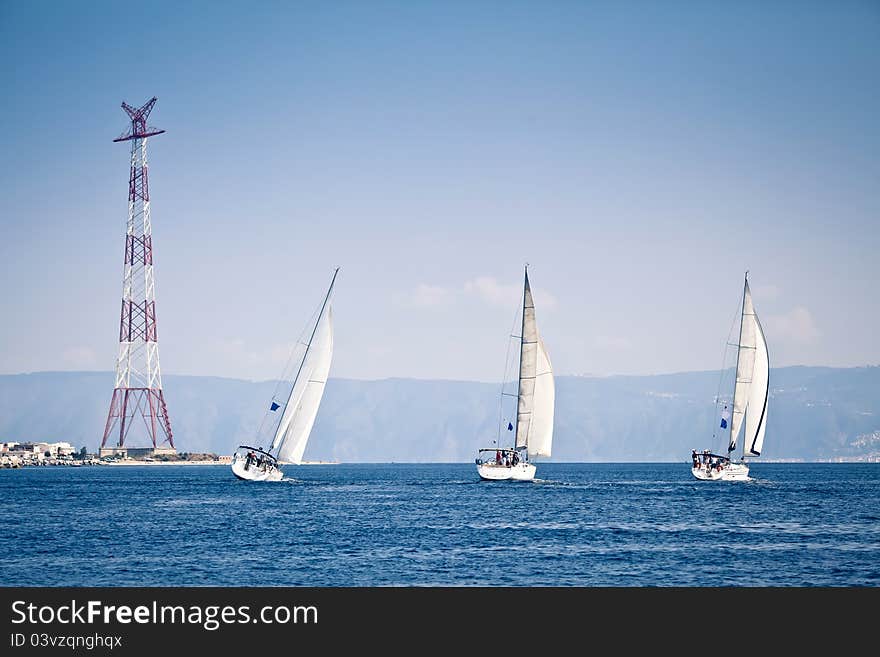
x=297 y=414
x=751 y=394
x=536 y=393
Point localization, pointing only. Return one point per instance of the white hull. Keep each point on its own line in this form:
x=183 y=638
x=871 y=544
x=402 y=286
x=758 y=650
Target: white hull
x=518 y=472
x=255 y=473
x=729 y=472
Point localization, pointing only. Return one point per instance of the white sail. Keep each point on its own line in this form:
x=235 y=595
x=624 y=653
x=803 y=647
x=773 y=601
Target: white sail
x=752 y=390
x=528 y=367
x=541 y=436
x=534 y=424
x=745 y=366
x=305 y=397
x=756 y=416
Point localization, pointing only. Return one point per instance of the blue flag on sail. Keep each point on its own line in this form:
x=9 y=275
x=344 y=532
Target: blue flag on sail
x=510 y=426
x=275 y=406
x=725 y=416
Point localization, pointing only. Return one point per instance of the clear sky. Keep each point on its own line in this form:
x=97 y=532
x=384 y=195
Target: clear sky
x=639 y=155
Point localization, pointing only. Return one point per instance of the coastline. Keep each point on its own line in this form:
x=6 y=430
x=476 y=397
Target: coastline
x=226 y=462
x=134 y=462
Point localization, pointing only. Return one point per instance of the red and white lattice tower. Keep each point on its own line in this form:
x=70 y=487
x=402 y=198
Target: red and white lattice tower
x=138 y=391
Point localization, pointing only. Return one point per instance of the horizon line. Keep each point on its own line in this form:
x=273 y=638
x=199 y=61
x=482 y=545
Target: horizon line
x=435 y=379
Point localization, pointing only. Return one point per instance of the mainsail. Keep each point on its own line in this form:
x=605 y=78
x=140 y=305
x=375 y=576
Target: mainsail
x=756 y=417
x=541 y=436
x=751 y=391
x=534 y=423
x=302 y=405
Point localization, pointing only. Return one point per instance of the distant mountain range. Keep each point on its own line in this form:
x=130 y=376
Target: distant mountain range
x=815 y=414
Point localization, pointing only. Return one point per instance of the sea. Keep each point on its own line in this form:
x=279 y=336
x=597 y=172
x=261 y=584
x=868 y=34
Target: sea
x=404 y=524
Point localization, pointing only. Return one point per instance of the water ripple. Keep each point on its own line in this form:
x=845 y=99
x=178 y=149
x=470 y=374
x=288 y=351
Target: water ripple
x=439 y=525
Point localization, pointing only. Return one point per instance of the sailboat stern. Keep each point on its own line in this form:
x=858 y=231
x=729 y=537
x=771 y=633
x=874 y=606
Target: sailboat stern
x=518 y=472
x=254 y=465
x=733 y=471
x=736 y=472
x=502 y=464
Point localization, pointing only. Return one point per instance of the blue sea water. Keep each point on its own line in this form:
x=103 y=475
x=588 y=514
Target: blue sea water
x=439 y=525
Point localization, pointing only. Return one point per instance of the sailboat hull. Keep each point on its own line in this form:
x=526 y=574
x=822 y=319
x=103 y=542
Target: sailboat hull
x=518 y=472
x=255 y=473
x=730 y=472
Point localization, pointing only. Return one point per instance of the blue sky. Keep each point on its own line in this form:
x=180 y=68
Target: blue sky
x=639 y=155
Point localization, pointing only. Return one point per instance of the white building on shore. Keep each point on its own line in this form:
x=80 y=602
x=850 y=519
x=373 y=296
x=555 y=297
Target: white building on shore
x=36 y=452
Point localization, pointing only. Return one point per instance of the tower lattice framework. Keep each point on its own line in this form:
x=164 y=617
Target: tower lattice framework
x=137 y=395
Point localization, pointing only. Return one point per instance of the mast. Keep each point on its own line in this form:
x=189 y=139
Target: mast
x=736 y=370
x=306 y=353
x=522 y=331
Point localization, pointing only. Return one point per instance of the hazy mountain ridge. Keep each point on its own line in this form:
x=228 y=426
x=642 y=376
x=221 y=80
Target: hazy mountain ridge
x=815 y=413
